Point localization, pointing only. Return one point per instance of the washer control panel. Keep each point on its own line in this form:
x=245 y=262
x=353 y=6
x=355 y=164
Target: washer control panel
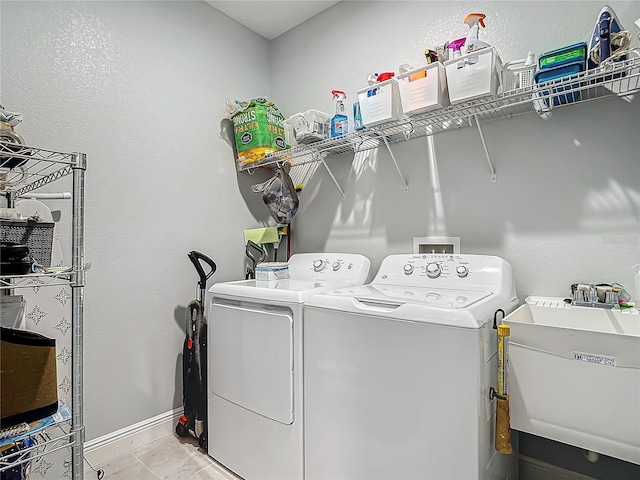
x=443 y=270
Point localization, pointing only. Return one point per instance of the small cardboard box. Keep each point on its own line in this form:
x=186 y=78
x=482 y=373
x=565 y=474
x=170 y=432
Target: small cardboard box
x=28 y=380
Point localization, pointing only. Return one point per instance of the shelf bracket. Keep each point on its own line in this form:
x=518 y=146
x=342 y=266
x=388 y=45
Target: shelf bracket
x=332 y=177
x=402 y=179
x=494 y=179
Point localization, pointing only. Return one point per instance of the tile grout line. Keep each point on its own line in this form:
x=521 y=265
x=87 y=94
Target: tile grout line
x=143 y=464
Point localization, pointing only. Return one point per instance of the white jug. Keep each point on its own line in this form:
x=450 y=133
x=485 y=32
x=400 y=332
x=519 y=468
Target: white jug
x=636 y=290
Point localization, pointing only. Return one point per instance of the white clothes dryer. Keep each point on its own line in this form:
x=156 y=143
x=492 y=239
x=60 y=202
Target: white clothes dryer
x=397 y=373
x=255 y=364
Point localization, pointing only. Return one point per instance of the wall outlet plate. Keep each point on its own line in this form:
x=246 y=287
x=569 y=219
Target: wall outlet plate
x=436 y=244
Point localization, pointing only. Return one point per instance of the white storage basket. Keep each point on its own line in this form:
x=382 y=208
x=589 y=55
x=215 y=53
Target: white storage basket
x=310 y=126
x=423 y=89
x=474 y=75
x=380 y=103
x=516 y=75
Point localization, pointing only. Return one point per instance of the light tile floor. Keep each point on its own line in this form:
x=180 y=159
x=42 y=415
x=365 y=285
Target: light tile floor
x=168 y=458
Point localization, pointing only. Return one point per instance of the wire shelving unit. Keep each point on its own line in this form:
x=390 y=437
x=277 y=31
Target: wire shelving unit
x=24 y=169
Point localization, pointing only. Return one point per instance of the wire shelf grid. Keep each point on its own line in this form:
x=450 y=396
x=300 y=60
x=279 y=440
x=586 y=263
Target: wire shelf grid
x=24 y=168
x=53 y=438
x=35 y=279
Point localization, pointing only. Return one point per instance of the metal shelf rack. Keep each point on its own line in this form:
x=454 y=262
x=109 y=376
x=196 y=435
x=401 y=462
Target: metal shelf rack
x=614 y=78
x=24 y=169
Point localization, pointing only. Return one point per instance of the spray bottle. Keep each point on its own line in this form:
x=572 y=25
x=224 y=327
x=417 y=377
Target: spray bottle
x=339 y=122
x=475 y=21
x=455 y=46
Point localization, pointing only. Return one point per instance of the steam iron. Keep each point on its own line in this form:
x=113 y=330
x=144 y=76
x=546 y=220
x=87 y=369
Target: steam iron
x=606 y=38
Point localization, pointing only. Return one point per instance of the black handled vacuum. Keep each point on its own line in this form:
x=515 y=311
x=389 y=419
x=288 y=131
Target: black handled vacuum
x=194 y=359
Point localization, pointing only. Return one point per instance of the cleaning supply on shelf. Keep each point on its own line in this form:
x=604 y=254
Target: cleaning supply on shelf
x=455 y=47
x=357 y=117
x=609 y=39
x=472 y=43
x=431 y=56
x=557 y=64
x=339 y=122
x=561 y=56
x=384 y=76
x=258 y=128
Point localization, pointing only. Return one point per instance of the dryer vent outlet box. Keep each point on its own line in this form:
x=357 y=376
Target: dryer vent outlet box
x=436 y=244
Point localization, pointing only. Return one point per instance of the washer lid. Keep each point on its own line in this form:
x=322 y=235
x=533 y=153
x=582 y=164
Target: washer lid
x=456 y=308
x=291 y=290
x=423 y=296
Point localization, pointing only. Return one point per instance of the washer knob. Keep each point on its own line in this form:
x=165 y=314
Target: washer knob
x=433 y=270
x=336 y=266
x=318 y=265
x=462 y=271
x=408 y=269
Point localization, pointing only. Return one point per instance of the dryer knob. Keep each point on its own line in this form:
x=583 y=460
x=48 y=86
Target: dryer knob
x=462 y=271
x=433 y=270
x=318 y=265
x=408 y=269
x=336 y=266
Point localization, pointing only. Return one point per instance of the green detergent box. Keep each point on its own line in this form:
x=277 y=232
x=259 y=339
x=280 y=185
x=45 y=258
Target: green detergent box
x=561 y=56
x=259 y=130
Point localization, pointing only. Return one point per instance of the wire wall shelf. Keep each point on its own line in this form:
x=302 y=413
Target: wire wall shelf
x=53 y=438
x=35 y=280
x=24 y=169
x=620 y=78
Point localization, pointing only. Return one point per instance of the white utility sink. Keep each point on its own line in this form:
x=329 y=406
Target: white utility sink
x=574 y=375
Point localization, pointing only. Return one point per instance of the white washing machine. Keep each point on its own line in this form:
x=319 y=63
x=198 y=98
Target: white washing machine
x=397 y=373
x=255 y=328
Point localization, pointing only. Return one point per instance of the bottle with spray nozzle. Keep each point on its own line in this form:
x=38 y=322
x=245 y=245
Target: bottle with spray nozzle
x=475 y=21
x=339 y=122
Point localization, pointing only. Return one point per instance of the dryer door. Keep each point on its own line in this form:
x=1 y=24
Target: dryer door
x=250 y=357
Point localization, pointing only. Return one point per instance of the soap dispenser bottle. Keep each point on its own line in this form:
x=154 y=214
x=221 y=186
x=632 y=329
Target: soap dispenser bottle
x=339 y=122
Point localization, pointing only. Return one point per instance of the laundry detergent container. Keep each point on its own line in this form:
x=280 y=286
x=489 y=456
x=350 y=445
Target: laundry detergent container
x=574 y=375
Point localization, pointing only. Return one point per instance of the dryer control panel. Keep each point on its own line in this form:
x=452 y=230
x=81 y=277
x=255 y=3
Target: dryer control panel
x=463 y=271
x=350 y=267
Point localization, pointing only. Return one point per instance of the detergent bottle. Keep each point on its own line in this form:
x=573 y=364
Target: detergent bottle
x=339 y=122
x=475 y=21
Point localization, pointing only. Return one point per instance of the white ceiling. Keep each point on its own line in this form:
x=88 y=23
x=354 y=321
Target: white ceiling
x=271 y=18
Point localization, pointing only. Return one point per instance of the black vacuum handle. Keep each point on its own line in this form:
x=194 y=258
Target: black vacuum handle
x=196 y=258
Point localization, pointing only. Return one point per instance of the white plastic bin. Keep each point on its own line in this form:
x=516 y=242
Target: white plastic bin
x=474 y=75
x=423 y=89
x=310 y=126
x=516 y=74
x=574 y=375
x=380 y=103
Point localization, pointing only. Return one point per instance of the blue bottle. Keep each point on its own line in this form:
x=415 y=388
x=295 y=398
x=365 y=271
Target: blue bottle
x=339 y=122
x=357 y=117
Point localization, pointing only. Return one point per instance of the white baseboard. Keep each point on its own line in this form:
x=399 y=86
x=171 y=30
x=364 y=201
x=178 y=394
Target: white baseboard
x=105 y=448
